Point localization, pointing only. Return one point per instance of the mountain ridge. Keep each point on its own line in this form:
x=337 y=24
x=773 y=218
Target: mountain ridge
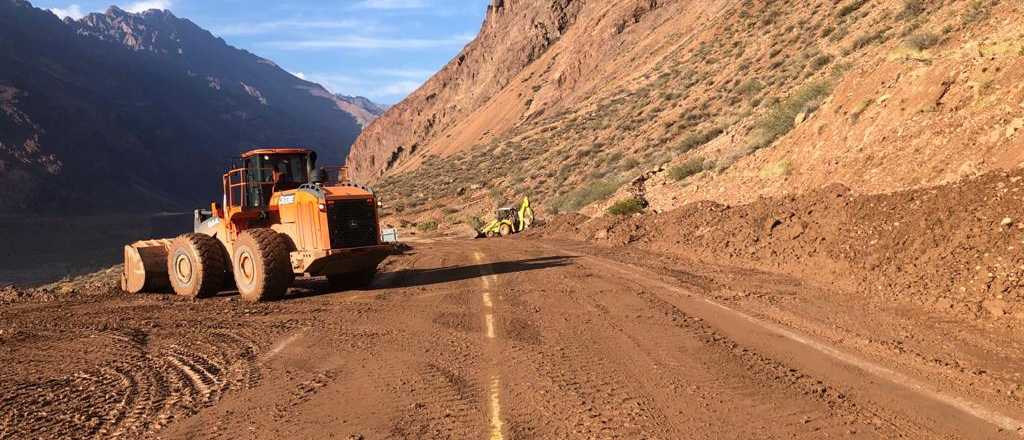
x=100 y=114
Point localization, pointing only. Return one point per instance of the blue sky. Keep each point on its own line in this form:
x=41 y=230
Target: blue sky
x=381 y=49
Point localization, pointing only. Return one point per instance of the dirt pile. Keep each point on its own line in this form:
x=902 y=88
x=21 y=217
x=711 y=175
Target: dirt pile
x=104 y=282
x=954 y=248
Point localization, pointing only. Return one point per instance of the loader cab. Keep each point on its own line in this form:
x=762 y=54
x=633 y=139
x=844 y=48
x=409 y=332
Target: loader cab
x=263 y=172
x=510 y=215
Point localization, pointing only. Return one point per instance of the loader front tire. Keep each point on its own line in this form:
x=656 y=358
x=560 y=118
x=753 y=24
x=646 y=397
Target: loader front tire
x=196 y=265
x=505 y=230
x=262 y=266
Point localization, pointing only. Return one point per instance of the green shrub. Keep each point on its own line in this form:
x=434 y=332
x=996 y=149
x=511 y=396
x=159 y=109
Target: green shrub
x=475 y=222
x=750 y=87
x=841 y=32
x=593 y=192
x=780 y=120
x=427 y=226
x=686 y=169
x=628 y=206
x=912 y=9
x=867 y=39
x=821 y=61
x=695 y=140
x=496 y=196
x=978 y=10
x=850 y=8
x=922 y=41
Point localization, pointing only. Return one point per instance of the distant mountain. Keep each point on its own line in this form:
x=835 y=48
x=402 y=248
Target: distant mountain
x=364 y=110
x=131 y=112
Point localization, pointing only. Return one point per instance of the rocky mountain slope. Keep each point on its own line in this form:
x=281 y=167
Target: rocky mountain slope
x=364 y=110
x=719 y=100
x=138 y=112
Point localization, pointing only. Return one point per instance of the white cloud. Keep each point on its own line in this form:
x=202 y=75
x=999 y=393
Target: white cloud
x=379 y=90
x=267 y=27
x=73 y=11
x=392 y=4
x=299 y=75
x=359 y=42
x=145 y=5
x=420 y=74
x=400 y=88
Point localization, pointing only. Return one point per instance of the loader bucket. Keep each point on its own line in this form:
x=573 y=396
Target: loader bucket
x=145 y=267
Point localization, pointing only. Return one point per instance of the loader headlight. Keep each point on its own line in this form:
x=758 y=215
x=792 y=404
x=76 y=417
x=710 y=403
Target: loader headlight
x=323 y=207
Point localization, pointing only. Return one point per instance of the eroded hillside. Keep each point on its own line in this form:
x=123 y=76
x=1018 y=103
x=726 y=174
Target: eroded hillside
x=720 y=100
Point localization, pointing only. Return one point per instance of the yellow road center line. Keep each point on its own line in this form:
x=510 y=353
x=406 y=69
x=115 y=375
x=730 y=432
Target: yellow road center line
x=489 y=319
x=495 y=408
x=494 y=387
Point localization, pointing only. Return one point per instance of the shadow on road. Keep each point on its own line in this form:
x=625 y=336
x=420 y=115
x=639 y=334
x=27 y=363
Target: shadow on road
x=441 y=275
x=427 y=277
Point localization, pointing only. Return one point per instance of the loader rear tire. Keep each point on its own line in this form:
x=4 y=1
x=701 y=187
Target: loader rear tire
x=505 y=230
x=262 y=266
x=196 y=265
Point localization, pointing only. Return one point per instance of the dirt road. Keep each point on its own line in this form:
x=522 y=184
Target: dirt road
x=496 y=339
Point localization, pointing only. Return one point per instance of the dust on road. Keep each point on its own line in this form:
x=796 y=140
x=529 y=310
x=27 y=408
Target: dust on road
x=498 y=339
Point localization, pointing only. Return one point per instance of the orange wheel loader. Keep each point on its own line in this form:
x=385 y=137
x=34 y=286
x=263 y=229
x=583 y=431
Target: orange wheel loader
x=281 y=216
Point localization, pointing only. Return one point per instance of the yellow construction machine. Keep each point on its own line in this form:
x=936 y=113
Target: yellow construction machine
x=280 y=217
x=509 y=221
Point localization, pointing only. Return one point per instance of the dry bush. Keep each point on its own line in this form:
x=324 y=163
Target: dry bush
x=628 y=206
x=977 y=11
x=781 y=119
x=912 y=9
x=850 y=8
x=427 y=226
x=923 y=41
x=686 y=169
x=592 y=192
x=695 y=140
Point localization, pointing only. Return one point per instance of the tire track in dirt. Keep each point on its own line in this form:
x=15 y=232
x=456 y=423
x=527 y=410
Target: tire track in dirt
x=133 y=396
x=682 y=378
x=441 y=395
x=559 y=386
x=915 y=387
